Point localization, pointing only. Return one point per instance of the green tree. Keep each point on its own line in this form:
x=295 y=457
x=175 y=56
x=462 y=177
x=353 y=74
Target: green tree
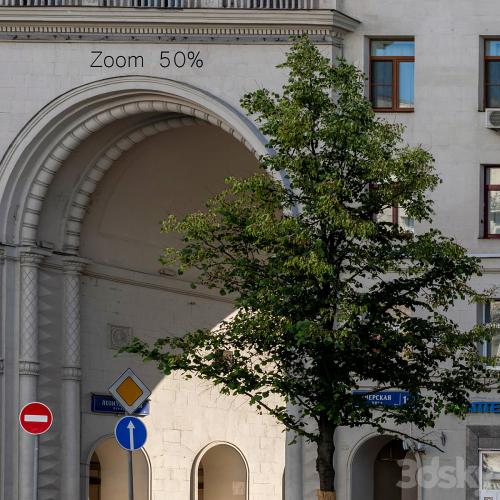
x=328 y=295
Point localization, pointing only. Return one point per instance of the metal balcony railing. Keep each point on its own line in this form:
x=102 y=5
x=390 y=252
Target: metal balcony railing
x=168 y=4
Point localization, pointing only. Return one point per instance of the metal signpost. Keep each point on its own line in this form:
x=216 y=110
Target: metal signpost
x=130 y=432
x=35 y=419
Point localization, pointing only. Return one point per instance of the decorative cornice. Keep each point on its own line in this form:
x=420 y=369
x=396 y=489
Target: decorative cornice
x=71 y=373
x=203 y=25
x=29 y=368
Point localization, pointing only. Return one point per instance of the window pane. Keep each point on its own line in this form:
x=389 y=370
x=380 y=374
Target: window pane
x=393 y=48
x=382 y=73
x=493 y=48
x=382 y=96
x=493 y=96
x=493 y=212
x=406 y=84
x=405 y=222
x=493 y=72
x=491 y=471
x=386 y=216
x=492 y=175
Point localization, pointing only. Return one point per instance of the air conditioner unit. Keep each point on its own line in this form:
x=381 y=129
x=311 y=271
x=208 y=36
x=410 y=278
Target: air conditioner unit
x=493 y=118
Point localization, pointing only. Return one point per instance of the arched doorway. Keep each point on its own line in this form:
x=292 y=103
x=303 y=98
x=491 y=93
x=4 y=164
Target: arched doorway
x=108 y=468
x=383 y=470
x=221 y=473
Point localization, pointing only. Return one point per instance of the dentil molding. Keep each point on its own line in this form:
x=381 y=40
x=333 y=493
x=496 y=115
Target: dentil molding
x=189 y=25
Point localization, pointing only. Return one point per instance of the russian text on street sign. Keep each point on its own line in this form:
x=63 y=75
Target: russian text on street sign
x=104 y=403
x=35 y=418
x=385 y=398
x=129 y=391
x=130 y=433
x=483 y=407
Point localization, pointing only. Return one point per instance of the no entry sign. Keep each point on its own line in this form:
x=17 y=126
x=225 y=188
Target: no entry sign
x=35 y=418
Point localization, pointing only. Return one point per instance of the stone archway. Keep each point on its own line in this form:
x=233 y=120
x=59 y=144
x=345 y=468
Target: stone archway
x=41 y=148
x=27 y=171
x=220 y=472
x=380 y=470
x=107 y=467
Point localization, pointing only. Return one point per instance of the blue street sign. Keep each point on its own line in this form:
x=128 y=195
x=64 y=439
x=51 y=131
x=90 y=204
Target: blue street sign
x=483 y=407
x=108 y=404
x=130 y=433
x=385 y=398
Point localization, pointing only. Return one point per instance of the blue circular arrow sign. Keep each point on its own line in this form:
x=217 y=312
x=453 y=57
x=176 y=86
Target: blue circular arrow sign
x=130 y=433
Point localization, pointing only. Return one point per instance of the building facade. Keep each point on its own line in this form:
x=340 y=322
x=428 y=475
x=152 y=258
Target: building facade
x=114 y=113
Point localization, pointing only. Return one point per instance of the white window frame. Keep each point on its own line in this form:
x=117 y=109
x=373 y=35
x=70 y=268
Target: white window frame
x=483 y=346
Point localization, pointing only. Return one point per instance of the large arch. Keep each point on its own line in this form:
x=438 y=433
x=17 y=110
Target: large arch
x=41 y=148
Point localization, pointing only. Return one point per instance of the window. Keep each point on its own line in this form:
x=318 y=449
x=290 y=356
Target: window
x=492 y=73
x=489 y=471
x=491 y=349
x=492 y=202
x=397 y=215
x=392 y=65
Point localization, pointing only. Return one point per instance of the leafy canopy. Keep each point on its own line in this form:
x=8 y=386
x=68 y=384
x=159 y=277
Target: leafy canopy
x=328 y=296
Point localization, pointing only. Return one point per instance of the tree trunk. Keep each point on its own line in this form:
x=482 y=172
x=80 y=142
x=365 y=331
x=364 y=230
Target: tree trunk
x=324 y=462
x=326 y=495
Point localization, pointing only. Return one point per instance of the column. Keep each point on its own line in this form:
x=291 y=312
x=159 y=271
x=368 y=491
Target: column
x=2 y=347
x=293 y=486
x=70 y=456
x=29 y=365
x=2 y=258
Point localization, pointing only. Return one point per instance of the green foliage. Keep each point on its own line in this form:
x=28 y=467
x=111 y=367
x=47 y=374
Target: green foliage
x=328 y=296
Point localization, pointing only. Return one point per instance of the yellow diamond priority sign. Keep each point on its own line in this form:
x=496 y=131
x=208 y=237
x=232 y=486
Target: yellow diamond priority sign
x=129 y=391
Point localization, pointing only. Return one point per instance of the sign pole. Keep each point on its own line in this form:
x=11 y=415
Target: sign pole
x=35 y=469
x=130 y=477
x=130 y=392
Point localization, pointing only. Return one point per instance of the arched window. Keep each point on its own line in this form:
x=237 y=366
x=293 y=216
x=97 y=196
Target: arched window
x=221 y=473
x=108 y=473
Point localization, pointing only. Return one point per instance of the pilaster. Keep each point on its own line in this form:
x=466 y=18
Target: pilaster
x=29 y=365
x=71 y=375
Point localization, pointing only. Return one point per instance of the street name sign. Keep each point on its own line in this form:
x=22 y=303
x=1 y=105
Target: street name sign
x=483 y=407
x=130 y=433
x=35 y=418
x=129 y=391
x=385 y=398
x=104 y=403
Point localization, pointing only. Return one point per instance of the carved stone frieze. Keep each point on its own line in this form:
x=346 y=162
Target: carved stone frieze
x=217 y=25
x=71 y=373
x=118 y=336
x=29 y=368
